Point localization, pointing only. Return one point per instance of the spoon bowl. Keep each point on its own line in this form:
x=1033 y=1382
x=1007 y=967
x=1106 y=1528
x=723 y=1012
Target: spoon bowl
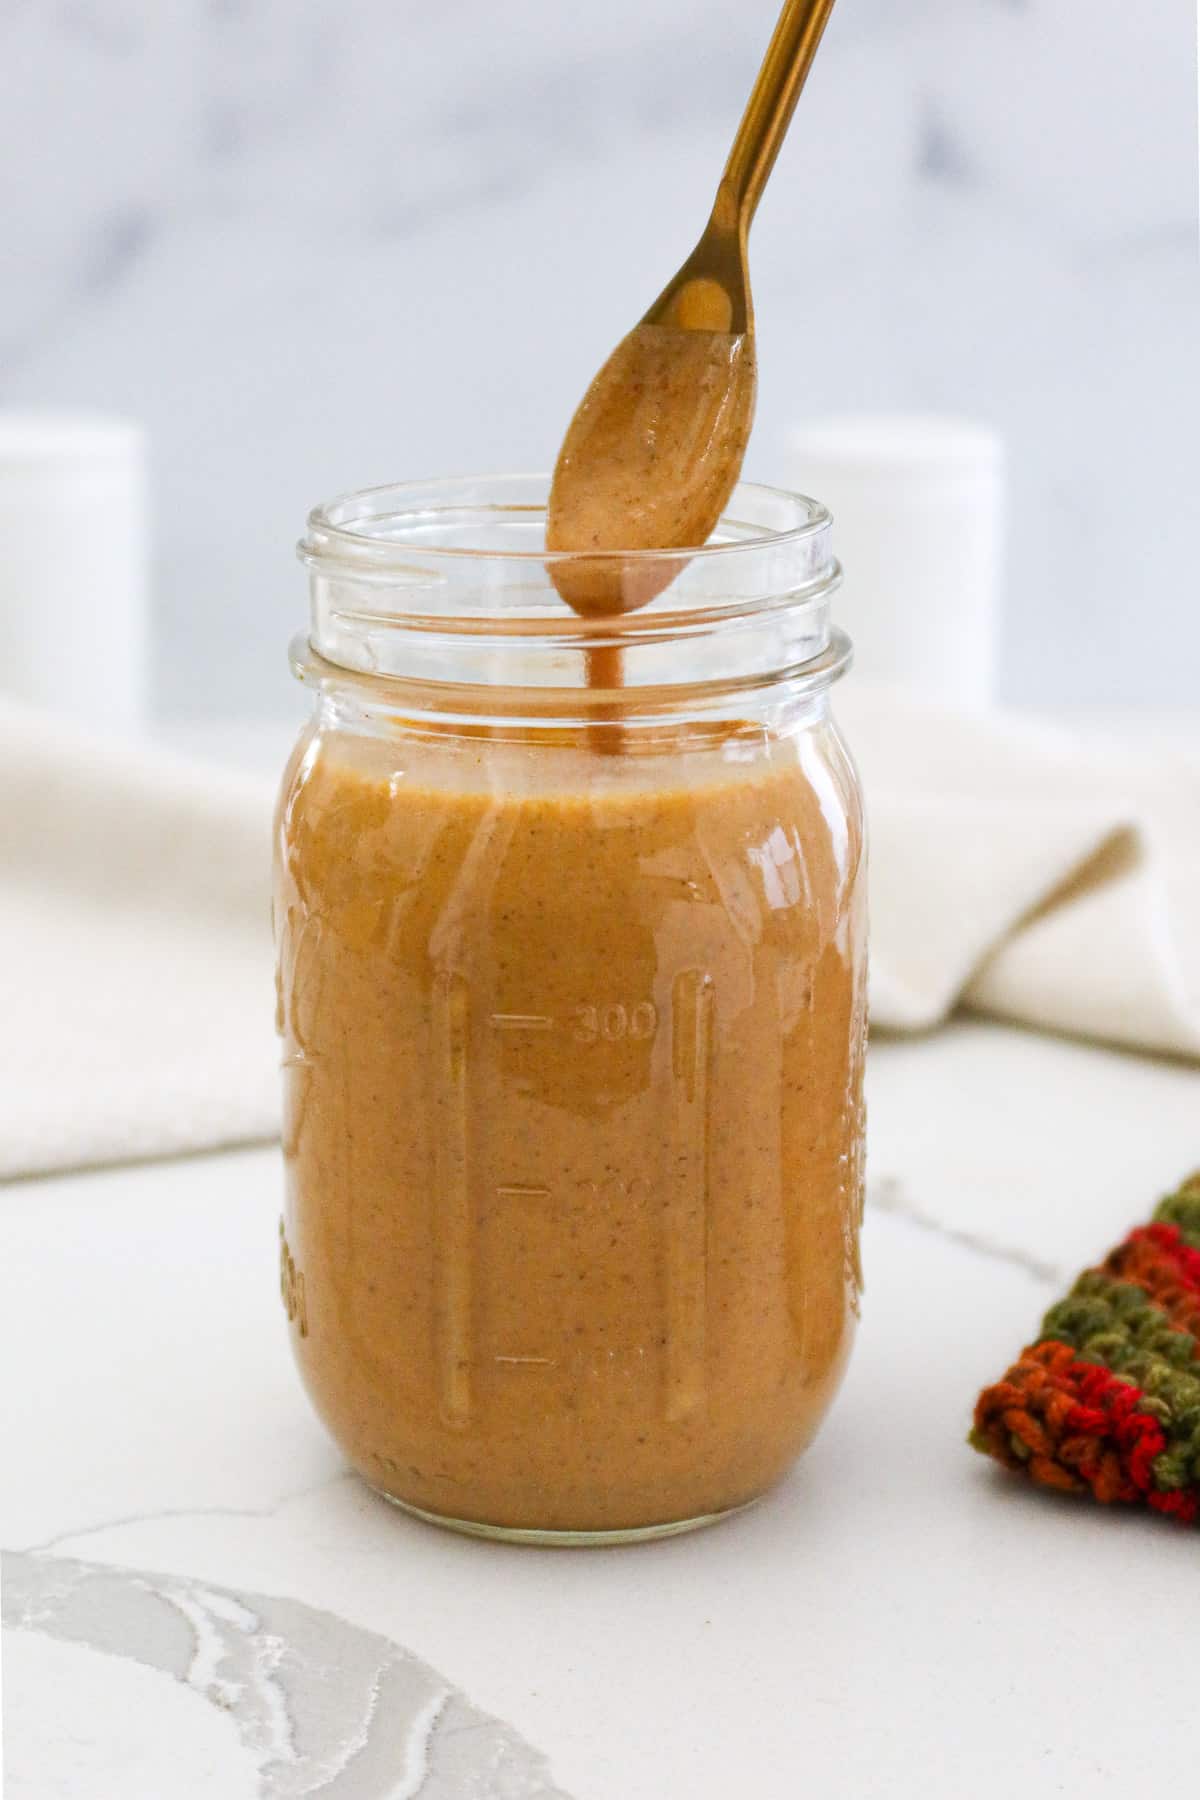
x=657 y=443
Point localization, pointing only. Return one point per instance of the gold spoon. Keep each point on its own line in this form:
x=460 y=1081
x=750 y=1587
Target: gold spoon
x=655 y=449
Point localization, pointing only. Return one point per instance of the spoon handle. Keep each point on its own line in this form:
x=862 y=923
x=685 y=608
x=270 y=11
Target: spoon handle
x=769 y=111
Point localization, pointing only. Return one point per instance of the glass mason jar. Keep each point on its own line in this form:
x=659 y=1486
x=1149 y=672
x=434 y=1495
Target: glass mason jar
x=570 y=924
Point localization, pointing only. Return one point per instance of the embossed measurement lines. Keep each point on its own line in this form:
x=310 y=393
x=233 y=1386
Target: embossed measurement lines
x=592 y=1024
x=675 y=1152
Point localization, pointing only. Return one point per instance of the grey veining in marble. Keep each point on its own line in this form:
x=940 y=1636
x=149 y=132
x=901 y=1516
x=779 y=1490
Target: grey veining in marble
x=322 y=243
x=890 y=1196
x=321 y=1707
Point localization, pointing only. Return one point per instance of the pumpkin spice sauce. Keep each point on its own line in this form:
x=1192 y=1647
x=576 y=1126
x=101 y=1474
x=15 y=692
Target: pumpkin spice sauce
x=573 y=1054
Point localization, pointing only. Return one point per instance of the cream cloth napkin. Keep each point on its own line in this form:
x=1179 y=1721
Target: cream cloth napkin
x=136 y=982
x=1017 y=872
x=1011 y=871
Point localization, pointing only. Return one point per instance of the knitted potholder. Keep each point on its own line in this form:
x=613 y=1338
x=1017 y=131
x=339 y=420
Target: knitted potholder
x=1108 y=1398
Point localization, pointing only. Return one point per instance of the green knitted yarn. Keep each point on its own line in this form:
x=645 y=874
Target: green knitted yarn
x=1182 y=1209
x=1103 y=1319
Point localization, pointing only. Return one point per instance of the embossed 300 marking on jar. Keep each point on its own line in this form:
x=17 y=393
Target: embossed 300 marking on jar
x=572 y=1043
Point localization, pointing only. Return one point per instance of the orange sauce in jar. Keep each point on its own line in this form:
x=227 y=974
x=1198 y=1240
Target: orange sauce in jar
x=573 y=1052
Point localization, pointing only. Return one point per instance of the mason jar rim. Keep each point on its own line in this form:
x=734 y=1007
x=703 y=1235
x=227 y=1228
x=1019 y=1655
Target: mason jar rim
x=447 y=582
x=332 y=538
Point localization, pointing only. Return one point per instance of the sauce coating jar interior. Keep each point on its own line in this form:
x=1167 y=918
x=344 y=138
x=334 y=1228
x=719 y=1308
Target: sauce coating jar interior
x=571 y=987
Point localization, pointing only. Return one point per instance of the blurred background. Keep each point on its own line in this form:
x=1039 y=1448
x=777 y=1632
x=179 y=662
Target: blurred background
x=317 y=244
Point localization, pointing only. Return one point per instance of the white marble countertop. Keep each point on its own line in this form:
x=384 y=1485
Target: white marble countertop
x=200 y=1601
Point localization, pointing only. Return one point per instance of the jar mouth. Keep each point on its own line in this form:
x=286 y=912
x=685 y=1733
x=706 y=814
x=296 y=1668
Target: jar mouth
x=451 y=579
x=374 y=526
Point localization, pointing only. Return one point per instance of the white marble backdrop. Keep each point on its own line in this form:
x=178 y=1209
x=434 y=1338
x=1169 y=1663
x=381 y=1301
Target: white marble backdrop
x=318 y=243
